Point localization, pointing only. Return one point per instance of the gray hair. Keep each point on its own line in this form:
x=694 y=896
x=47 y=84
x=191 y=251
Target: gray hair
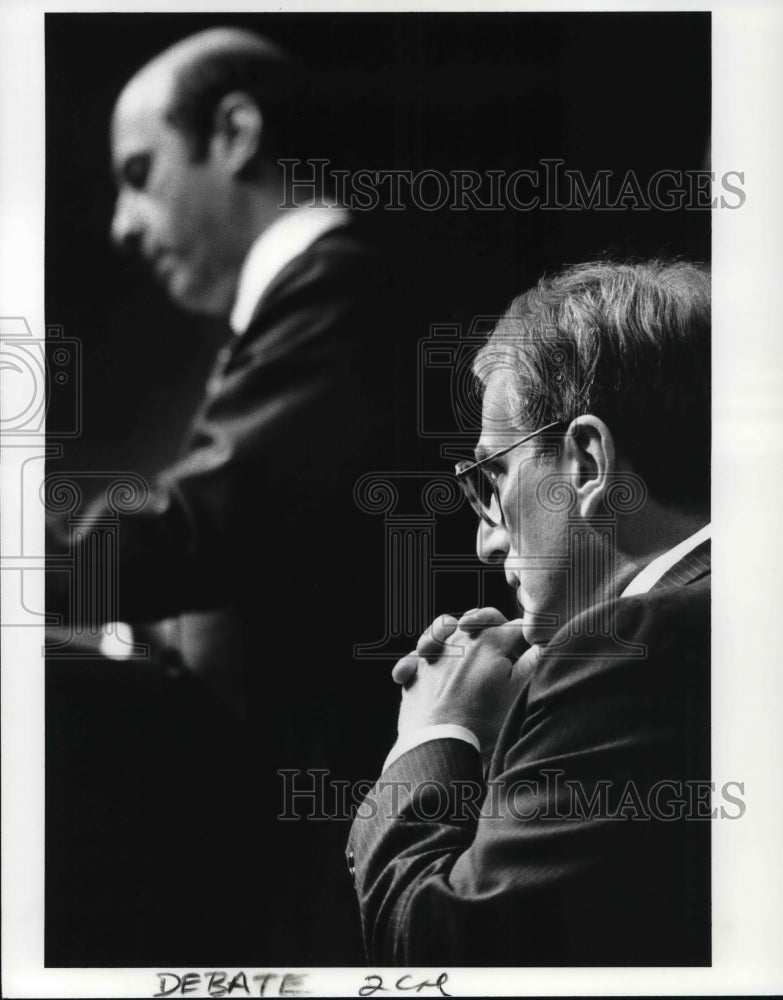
x=626 y=342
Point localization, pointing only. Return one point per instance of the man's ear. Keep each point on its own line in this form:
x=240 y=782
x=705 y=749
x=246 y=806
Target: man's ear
x=591 y=456
x=237 y=130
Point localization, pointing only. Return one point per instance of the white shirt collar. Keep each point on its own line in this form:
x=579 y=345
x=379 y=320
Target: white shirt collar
x=276 y=247
x=653 y=571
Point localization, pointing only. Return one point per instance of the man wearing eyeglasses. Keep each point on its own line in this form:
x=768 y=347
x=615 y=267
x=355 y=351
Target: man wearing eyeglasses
x=545 y=801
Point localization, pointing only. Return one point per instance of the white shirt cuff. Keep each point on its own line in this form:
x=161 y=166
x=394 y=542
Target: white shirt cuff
x=442 y=731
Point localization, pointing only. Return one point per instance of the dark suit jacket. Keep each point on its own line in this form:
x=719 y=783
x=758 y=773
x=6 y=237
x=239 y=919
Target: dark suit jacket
x=258 y=520
x=538 y=877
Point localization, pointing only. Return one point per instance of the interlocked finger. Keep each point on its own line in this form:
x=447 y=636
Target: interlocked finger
x=481 y=618
x=430 y=645
x=404 y=670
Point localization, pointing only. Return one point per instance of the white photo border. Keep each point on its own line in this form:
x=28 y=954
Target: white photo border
x=747 y=136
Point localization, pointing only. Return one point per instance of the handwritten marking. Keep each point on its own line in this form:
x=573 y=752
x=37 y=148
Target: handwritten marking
x=218 y=984
x=374 y=984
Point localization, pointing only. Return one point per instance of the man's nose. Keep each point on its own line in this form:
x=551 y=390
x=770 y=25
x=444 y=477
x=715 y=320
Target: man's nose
x=491 y=542
x=126 y=224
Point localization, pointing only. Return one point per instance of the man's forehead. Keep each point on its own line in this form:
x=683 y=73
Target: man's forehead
x=139 y=114
x=500 y=413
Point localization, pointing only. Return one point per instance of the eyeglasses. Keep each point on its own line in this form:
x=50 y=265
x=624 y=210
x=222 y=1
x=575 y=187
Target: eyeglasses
x=480 y=485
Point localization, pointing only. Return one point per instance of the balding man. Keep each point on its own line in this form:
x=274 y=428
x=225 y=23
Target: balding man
x=194 y=139
x=241 y=537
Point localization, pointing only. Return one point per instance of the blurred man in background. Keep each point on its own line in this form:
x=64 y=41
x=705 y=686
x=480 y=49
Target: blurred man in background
x=238 y=543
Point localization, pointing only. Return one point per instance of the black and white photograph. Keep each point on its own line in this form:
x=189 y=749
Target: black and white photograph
x=365 y=437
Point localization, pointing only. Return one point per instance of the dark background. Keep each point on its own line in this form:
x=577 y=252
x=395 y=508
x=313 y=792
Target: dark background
x=144 y=811
x=402 y=91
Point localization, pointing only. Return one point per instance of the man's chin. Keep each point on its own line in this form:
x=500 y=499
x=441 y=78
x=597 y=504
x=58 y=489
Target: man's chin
x=535 y=633
x=537 y=628
x=186 y=296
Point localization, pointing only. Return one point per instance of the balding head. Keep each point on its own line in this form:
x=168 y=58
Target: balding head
x=213 y=43
x=195 y=135
x=186 y=83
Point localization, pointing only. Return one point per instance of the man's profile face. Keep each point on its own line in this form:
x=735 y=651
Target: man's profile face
x=173 y=211
x=532 y=541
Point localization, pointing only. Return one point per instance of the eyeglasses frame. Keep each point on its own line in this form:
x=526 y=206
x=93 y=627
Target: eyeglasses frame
x=461 y=470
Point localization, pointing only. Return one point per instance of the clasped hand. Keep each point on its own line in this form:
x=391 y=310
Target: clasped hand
x=465 y=672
